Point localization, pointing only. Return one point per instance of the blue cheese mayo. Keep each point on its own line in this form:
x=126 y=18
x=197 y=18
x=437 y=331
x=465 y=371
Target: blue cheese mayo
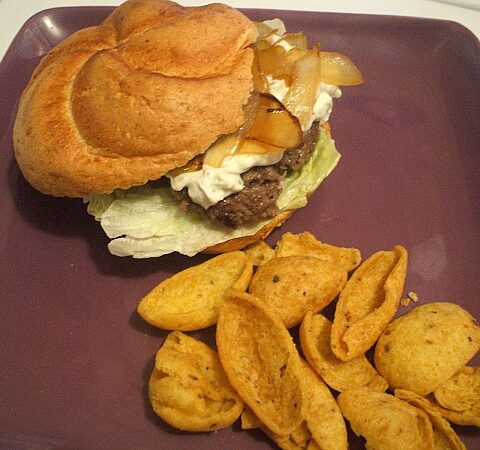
x=210 y=185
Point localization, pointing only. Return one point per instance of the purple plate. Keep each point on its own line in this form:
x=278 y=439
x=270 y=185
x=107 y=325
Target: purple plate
x=76 y=357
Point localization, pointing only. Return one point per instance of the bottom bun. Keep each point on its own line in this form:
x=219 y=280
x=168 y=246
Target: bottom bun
x=244 y=241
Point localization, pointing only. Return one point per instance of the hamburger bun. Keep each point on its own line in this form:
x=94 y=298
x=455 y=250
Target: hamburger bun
x=115 y=107
x=118 y=104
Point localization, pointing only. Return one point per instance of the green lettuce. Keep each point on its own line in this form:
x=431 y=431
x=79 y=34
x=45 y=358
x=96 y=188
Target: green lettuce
x=146 y=222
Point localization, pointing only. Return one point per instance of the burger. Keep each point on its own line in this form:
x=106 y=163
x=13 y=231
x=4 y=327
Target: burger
x=184 y=129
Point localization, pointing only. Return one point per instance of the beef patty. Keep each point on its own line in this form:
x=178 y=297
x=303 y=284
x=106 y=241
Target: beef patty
x=263 y=184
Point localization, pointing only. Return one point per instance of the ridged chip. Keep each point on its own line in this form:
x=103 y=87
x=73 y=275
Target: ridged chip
x=323 y=426
x=306 y=244
x=188 y=387
x=424 y=348
x=293 y=285
x=261 y=361
x=324 y=419
x=444 y=435
x=190 y=299
x=249 y=420
x=368 y=302
x=340 y=375
x=260 y=252
x=461 y=392
x=467 y=417
x=298 y=439
x=385 y=421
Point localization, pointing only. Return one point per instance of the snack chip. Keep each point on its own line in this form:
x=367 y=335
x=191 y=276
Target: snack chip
x=190 y=300
x=323 y=426
x=324 y=419
x=468 y=417
x=293 y=285
x=340 y=375
x=444 y=435
x=261 y=361
x=368 y=302
x=188 y=387
x=306 y=244
x=260 y=252
x=461 y=392
x=385 y=421
x=249 y=420
x=421 y=350
x=259 y=374
x=298 y=439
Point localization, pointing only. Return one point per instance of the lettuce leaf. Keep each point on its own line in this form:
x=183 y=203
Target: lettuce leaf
x=146 y=222
x=301 y=184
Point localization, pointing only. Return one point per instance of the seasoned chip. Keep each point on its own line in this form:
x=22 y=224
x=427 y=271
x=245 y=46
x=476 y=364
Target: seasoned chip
x=190 y=300
x=444 y=435
x=260 y=252
x=298 y=439
x=306 y=244
x=293 y=285
x=461 y=392
x=188 y=387
x=249 y=420
x=324 y=419
x=261 y=361
x=443 y=441
x=323 y=424
x=368 y=303
x=424 y=348
x=468 y=417
x=385 y=421
x=339 y=375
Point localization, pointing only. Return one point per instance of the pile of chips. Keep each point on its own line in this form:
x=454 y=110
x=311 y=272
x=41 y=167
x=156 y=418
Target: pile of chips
x=417 y=384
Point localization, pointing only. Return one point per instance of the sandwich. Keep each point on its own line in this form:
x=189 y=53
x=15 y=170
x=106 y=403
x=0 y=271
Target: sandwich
x=183 y=129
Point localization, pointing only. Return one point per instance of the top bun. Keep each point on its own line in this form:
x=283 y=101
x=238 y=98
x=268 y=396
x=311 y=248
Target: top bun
x=126 y=101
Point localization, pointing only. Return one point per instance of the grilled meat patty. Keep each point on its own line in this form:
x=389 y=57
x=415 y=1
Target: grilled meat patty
x=263 y=185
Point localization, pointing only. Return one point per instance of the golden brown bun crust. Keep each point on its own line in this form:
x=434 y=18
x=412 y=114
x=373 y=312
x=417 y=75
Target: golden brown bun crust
x=124 y=102
x=264 y=232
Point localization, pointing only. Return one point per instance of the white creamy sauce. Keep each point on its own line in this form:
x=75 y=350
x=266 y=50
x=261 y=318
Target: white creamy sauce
x=323 y=106
x=210 y=185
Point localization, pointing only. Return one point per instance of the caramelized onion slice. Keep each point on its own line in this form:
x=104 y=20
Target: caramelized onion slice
x=192 y=166
x=230 y=143
x=224 y=146
x=298 y=40
x=302 y=95
x=253 y=147
x=274 y=125
x=268 y=128
x=250 y=111
x=267 y=35
x=260 y=82
x=339 y=70
x=265 y=30
x=277 y=63
x=271 y=60
x=227 y=146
